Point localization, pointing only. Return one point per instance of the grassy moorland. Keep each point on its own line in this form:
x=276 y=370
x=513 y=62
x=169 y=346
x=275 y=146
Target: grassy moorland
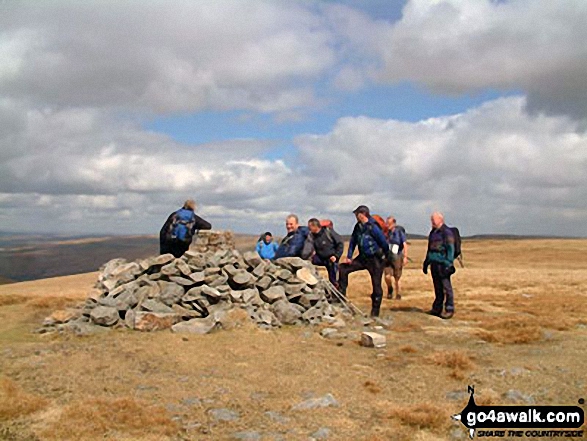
x=519 y=335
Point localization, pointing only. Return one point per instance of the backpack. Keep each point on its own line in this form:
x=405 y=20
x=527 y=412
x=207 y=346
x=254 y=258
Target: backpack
x=381 y=222
x=181 y=227
x=326 y=223
x=457 y=235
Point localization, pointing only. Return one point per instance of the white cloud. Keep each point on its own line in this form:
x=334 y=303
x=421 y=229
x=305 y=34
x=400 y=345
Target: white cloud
x=456 y=46
x=492 y=168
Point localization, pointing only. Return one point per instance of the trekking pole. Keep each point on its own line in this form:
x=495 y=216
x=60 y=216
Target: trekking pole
x=353 y=309
x=460 y=259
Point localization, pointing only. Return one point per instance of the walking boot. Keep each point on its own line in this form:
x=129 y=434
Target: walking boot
x=374 y=312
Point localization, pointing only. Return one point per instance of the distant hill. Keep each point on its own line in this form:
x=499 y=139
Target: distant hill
x=28 y=258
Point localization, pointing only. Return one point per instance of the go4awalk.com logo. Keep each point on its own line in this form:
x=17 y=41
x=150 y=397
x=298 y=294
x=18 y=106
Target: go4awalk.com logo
x=515 y=421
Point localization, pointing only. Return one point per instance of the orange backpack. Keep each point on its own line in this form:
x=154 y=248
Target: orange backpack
x=326 y=223
x=381 y=222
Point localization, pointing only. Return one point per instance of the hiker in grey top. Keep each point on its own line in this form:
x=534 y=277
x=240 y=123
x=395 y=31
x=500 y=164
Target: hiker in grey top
x=324 y=246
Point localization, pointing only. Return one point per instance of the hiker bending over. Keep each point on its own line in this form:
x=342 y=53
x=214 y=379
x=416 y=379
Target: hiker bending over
x=176 y=234
x=397 y=258
x=440 y=257
x=293 y=243
x=266 y=247
x=324 y=246
x=369 y=238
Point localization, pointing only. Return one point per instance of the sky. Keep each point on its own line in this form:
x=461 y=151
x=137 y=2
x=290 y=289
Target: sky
x=113 y=113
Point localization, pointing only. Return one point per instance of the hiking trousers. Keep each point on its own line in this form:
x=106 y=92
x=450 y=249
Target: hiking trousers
x=374 y=265
x=331 y=267
x=443 y=291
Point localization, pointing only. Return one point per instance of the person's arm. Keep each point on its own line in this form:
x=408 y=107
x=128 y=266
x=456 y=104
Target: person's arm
x=297 y=243
x=165 y=229
x=201 y=224
x=352 y=245
x=338 y=244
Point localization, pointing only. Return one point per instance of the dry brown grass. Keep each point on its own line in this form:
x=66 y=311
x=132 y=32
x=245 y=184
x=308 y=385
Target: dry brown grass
x=452 y=359
x=52 y=302
x=511 y=331
x=16 y=403
x=422 y=416
x=372 y=387
x=110 y=419
x=7 y=300
x=408 y=349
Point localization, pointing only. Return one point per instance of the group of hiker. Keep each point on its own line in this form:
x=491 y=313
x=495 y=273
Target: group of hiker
x=381 y=244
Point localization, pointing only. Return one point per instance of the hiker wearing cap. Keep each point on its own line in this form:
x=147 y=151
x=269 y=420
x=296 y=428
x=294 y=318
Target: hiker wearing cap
x=397 y=258
x=369 y=238
x=293 y=243
x=178 y=230
x=440 y=257
x=324 y=246
x=266 y=247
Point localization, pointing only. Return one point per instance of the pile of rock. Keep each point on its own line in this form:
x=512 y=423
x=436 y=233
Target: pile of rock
x=205 y=241
x=199 y=292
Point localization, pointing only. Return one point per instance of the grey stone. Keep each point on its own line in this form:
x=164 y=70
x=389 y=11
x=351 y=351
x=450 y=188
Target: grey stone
x=185 y=312
x=170 y=293
x=372 y=340
x=247 y=435
x=259 y=270
x=211 y=292
x=230 y=270
x=155 y=306
x=284 y=275
x=218 y=281
x=515 y=396
x=327 y=400
x=163 y=259
x=195 y=326
x=181 y=281
x=321 y=433
x=285 y=312
x=236 y=296
x=307 y=275
x=215 y=270
x=224 y=414
x=183 y=268
x=198 y=277
x=293 y=291
x=264 y=283
x=313 y=315
x=170 y=269
x=273 y=294
x=193 y=294
x=104 y=315
x=277 y=417
x=266 y=317
x=250 y=295
x=252 y=259
x=242 y=278
x=129 y=319
x=328 y=332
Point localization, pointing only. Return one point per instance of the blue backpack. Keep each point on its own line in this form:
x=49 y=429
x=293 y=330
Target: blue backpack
x=181 y=227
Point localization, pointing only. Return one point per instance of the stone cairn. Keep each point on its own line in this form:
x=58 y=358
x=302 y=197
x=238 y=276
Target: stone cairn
x=201 y=291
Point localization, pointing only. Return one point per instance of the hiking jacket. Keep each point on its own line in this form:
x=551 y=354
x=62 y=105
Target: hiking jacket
x=165 y=232
x=370 y=240
x=441 y=246
x=325 y=243
x=397 y=236
x=293 y=244
x=267 y=250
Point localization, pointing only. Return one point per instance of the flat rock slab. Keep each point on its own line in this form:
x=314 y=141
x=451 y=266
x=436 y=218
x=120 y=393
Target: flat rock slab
x=195 y=326
x=154 y=321
x=327 y=400
x=372 y=340
x=224 y=414
x=273 y=294
x=104 y=315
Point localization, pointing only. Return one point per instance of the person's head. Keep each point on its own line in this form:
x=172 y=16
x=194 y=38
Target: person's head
x=190 y=204
x=267 y=237
x=437 y=219
x=362 y=213
x=314 y=225
x=391 y=222
x=291 y=223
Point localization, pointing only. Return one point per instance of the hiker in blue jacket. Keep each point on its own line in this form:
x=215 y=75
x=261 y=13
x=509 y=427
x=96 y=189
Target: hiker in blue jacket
x=369 y=238
x=266 y=247
x=178 y=230
x=292 y=244
x=440 y=257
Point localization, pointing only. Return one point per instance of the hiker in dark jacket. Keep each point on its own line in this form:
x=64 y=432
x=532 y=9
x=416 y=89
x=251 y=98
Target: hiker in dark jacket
x=324 y=246
x=369 y=238
x=178 y=230
x=440 y=257
x=293 y=243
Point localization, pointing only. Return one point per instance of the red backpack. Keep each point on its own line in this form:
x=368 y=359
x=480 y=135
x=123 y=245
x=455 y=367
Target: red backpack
x=326 y=223
x=381 y=222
